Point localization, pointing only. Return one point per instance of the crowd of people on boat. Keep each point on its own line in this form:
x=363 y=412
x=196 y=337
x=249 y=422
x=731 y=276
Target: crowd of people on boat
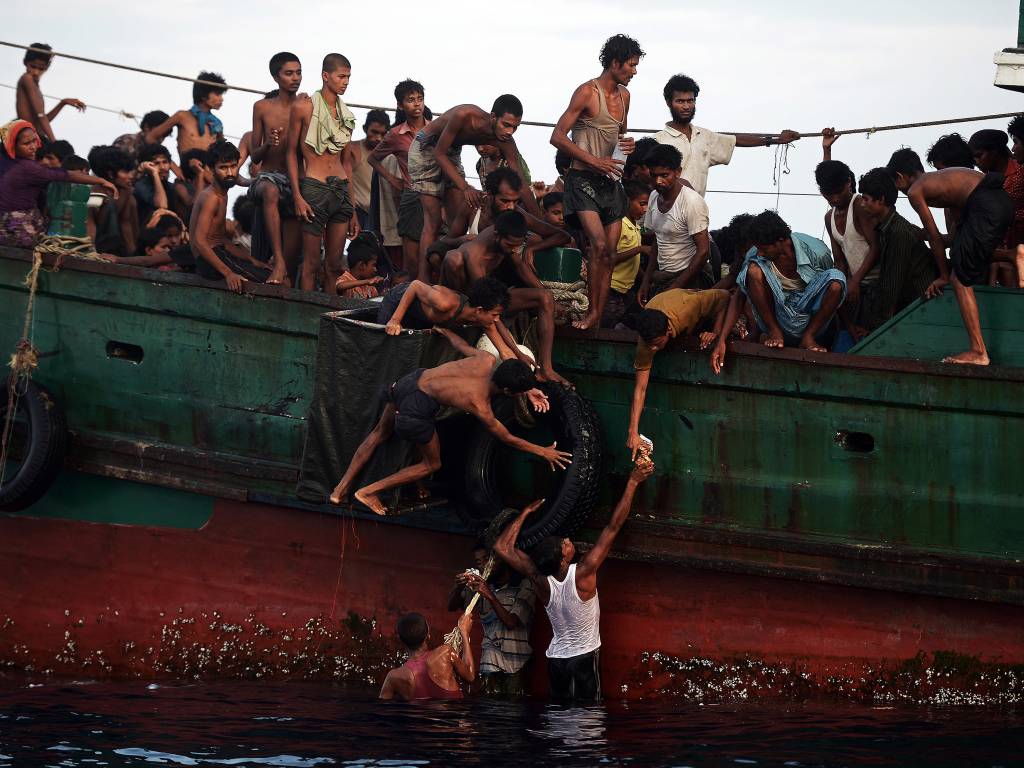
x=393 y=216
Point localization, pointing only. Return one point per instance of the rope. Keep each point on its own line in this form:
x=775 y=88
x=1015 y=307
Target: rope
x=454 y=638
x=571 y=296
x=261 y=92
x=26 y=357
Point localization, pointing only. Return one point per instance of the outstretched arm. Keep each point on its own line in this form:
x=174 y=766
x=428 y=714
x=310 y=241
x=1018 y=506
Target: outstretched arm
x=505 y=548
x=465 y=667
x=460 y=343
x=765 y=139
x=555 y=458
x=160 y=132
x=586 y=571
x=938 y=246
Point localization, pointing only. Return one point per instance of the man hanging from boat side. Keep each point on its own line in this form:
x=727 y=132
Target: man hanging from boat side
x=414 y=402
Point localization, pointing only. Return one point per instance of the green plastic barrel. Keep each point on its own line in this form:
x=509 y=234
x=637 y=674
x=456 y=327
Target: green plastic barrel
x=68 y=206
x=559 y=265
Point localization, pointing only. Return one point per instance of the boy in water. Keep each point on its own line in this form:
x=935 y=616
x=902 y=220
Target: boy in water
x=217 y=258
x=320 y=129
x=978 y=213
x=596 y=115
x=29 y=99
x=435 y=163
x=271 y=190
x=198 y=127
x=430 y=672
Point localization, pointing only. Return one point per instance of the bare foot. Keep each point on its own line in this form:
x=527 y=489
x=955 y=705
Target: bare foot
x=774 y=339
x=339 y=494
x=370 y=500
x=970 y=357
x=277 y=277
x=1019 y=259
x=422 y=492
x=588 y=322
x=549 y=374
x=811 y=345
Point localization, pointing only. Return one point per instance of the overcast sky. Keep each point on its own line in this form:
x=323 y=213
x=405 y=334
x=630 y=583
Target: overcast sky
x=761 y=67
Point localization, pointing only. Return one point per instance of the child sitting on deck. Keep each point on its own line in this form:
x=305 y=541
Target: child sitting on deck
x=360 y=280
x=22 y=182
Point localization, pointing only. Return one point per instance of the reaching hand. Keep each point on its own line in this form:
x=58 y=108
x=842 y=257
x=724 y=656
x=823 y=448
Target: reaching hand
x=76 y=103
x=641 y=471
x=555 y=458
x=538 y=400
x=707 y=338
x=829 y=136
x=641 y=295
x=634 y=444
x=235 y=282
x=532 y=507
x=393 y=328
x=627 y=144
x=110 y=186
x=934 y=290
x=718 y=357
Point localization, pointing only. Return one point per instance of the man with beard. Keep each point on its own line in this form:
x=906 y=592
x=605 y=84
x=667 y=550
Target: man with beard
x=217 y=258
x=271 y=189
x=375 y=127
x=594 y=200
x=700 y=147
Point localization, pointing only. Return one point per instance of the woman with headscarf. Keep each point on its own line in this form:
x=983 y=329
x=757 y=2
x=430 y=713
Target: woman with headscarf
x=22 y=181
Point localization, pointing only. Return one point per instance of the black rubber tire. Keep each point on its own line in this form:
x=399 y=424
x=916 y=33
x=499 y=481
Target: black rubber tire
x=577 y=430
x=47 y=446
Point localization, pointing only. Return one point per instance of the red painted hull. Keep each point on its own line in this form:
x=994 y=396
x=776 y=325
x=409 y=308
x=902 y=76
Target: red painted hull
x=273 y=591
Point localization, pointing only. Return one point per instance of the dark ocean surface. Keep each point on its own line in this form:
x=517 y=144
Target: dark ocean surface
x=70 y=724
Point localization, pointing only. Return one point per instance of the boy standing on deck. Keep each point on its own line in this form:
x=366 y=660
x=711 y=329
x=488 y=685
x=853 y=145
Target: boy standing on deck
x=569 y=593
x=593 y=195
x=198 y=127
x=978 y=212
x=271 y=190
x=29 y=99
x=321 y=130
x=217 y=258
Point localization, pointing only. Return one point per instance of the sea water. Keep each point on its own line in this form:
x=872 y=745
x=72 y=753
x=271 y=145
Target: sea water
x=297 y=724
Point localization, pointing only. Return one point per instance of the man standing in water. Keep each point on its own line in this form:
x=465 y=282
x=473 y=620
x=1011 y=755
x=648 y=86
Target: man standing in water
x=435 y=163
x=430 y=672
x=569 y=593
x=271 y=190
x=320 y=129
x=593 y=194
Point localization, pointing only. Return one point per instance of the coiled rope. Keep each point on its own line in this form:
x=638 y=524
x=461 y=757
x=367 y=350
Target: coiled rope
x=572 y=297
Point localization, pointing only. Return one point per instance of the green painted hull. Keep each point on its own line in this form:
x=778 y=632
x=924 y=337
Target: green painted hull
x=869 y=471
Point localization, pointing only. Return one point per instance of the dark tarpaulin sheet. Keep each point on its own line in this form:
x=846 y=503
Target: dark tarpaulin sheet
x=355 y=364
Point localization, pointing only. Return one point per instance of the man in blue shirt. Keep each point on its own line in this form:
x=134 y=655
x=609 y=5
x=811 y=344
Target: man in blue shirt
x=792 y=284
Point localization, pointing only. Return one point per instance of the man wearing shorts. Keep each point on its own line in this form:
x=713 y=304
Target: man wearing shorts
x=593 y=199
x=320 y=129
x=414 y=400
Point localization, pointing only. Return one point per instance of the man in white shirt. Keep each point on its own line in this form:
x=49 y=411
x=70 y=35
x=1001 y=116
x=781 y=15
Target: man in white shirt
x=699 y=147
x=678 y=217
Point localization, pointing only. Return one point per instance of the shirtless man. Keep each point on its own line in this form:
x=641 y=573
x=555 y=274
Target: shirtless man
x=502 y=251
x=435 y=163
x=423 y=306
x=593 y=194
x=320 y=129
x=429 y=673
x=198 y=127
x=978 y=213
x=217 y=258
x=29 y=99
x=414 y=401
x=271 y=190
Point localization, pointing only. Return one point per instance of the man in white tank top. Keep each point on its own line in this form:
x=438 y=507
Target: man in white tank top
x=569 y=593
